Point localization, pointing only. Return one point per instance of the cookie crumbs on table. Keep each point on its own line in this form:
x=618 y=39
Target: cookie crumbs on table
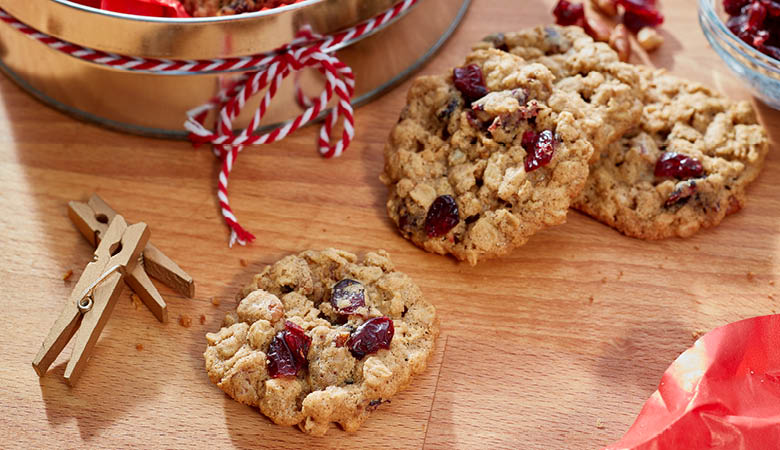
x=66 y=276
x=322 y=337
x=185 y=321
x=139 y=347
x=202 y=319
x=751 y=276
x=215 y=301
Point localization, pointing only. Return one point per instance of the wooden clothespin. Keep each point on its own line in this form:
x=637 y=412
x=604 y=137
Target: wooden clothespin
x=92 y=219
x=93 y=298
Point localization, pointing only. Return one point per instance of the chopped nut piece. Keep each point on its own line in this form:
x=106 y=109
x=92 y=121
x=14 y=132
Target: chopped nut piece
x=649 y=39
x=243 y=262
x=620 y=42
x=139 y=347
x=185 y=321
x=597 y=28
x=67 y=275
x=607 y=7
x=751 y=276
x=202 y=319
x=215 y=301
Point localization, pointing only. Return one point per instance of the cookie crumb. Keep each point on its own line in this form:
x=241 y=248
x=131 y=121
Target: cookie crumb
x=185 y=321
x=696 y=247
x=604 y=280
x=66 y=276
x=771 y=282
x=215 y=301
x=771 y=296
x=697 y=334
x=139 y=347
x=243 y=262
x=136 y=300
x=600 y=424
x=202 y=319
x=751 y=276
x=620 y=274
x=591 y=299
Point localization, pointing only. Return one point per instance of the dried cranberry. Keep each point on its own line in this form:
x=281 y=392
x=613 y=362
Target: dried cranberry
x=287 y=352
x=677 y=165
x=442 y=216
x=469 y=81
x=528 y=141
x=734 y=7
x=756 y=14
x=568 y=13
x=636 y=22
x=640 y=13
x=373 y=335
x=348 y=296
x=541 y=152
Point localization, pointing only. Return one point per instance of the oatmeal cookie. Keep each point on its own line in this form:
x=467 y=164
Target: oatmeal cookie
x=606 y=103
x=480 y=160
x=321 y=337
x=684 y=168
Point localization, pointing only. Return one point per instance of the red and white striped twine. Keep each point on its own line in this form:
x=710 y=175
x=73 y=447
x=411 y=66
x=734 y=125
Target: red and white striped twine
x=258 y=72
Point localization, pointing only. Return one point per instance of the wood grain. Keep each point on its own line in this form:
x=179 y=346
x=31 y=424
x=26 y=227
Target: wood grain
x=538 y=348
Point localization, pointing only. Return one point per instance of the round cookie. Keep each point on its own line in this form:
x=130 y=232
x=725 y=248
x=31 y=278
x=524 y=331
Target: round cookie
x=465 y=176
x=321 y=337
x=606 y=101
x=716 y=146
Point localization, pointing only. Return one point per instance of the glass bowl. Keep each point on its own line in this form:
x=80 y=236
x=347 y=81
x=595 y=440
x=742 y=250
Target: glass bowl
x=760 y=72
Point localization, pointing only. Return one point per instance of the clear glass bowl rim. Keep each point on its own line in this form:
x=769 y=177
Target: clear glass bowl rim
x=708 y=13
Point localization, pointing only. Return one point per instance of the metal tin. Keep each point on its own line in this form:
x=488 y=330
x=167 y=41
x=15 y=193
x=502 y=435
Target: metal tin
x=156 y=104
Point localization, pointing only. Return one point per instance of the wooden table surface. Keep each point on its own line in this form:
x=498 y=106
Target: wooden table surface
x=555 y=346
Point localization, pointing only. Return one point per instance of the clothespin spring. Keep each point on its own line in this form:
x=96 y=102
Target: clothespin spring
x=86 y=302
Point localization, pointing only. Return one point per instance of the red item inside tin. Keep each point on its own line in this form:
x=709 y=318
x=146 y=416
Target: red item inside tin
x=157 y=8
x=152 y=8
x=722 y=393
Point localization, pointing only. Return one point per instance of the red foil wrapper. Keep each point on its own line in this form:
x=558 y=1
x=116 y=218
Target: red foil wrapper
x=722 y=393
x=153 y=8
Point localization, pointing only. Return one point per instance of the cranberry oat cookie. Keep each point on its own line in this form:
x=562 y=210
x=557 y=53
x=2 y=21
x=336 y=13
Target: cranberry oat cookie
x=684 y=168
x=321 y=337
x=606 y=101
x=480 y=160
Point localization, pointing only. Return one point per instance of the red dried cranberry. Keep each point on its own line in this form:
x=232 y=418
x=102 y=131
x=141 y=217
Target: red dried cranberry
x=373 y=335
x=568 y=13
x=677 y=165
x=772 y=7
x=529 y=139
x=287 y=352
x=542 y=152
x=636 y=22
x=756 y=14
x=734 y=7
x=442 y=216
x=348 y=296
x=640 y=13
x=469 y=81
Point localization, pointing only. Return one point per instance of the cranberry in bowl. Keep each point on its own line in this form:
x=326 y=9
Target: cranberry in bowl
x=746 y=42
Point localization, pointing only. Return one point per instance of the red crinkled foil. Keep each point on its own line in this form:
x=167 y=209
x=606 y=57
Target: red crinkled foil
x=153 y=8
x=722 y=393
